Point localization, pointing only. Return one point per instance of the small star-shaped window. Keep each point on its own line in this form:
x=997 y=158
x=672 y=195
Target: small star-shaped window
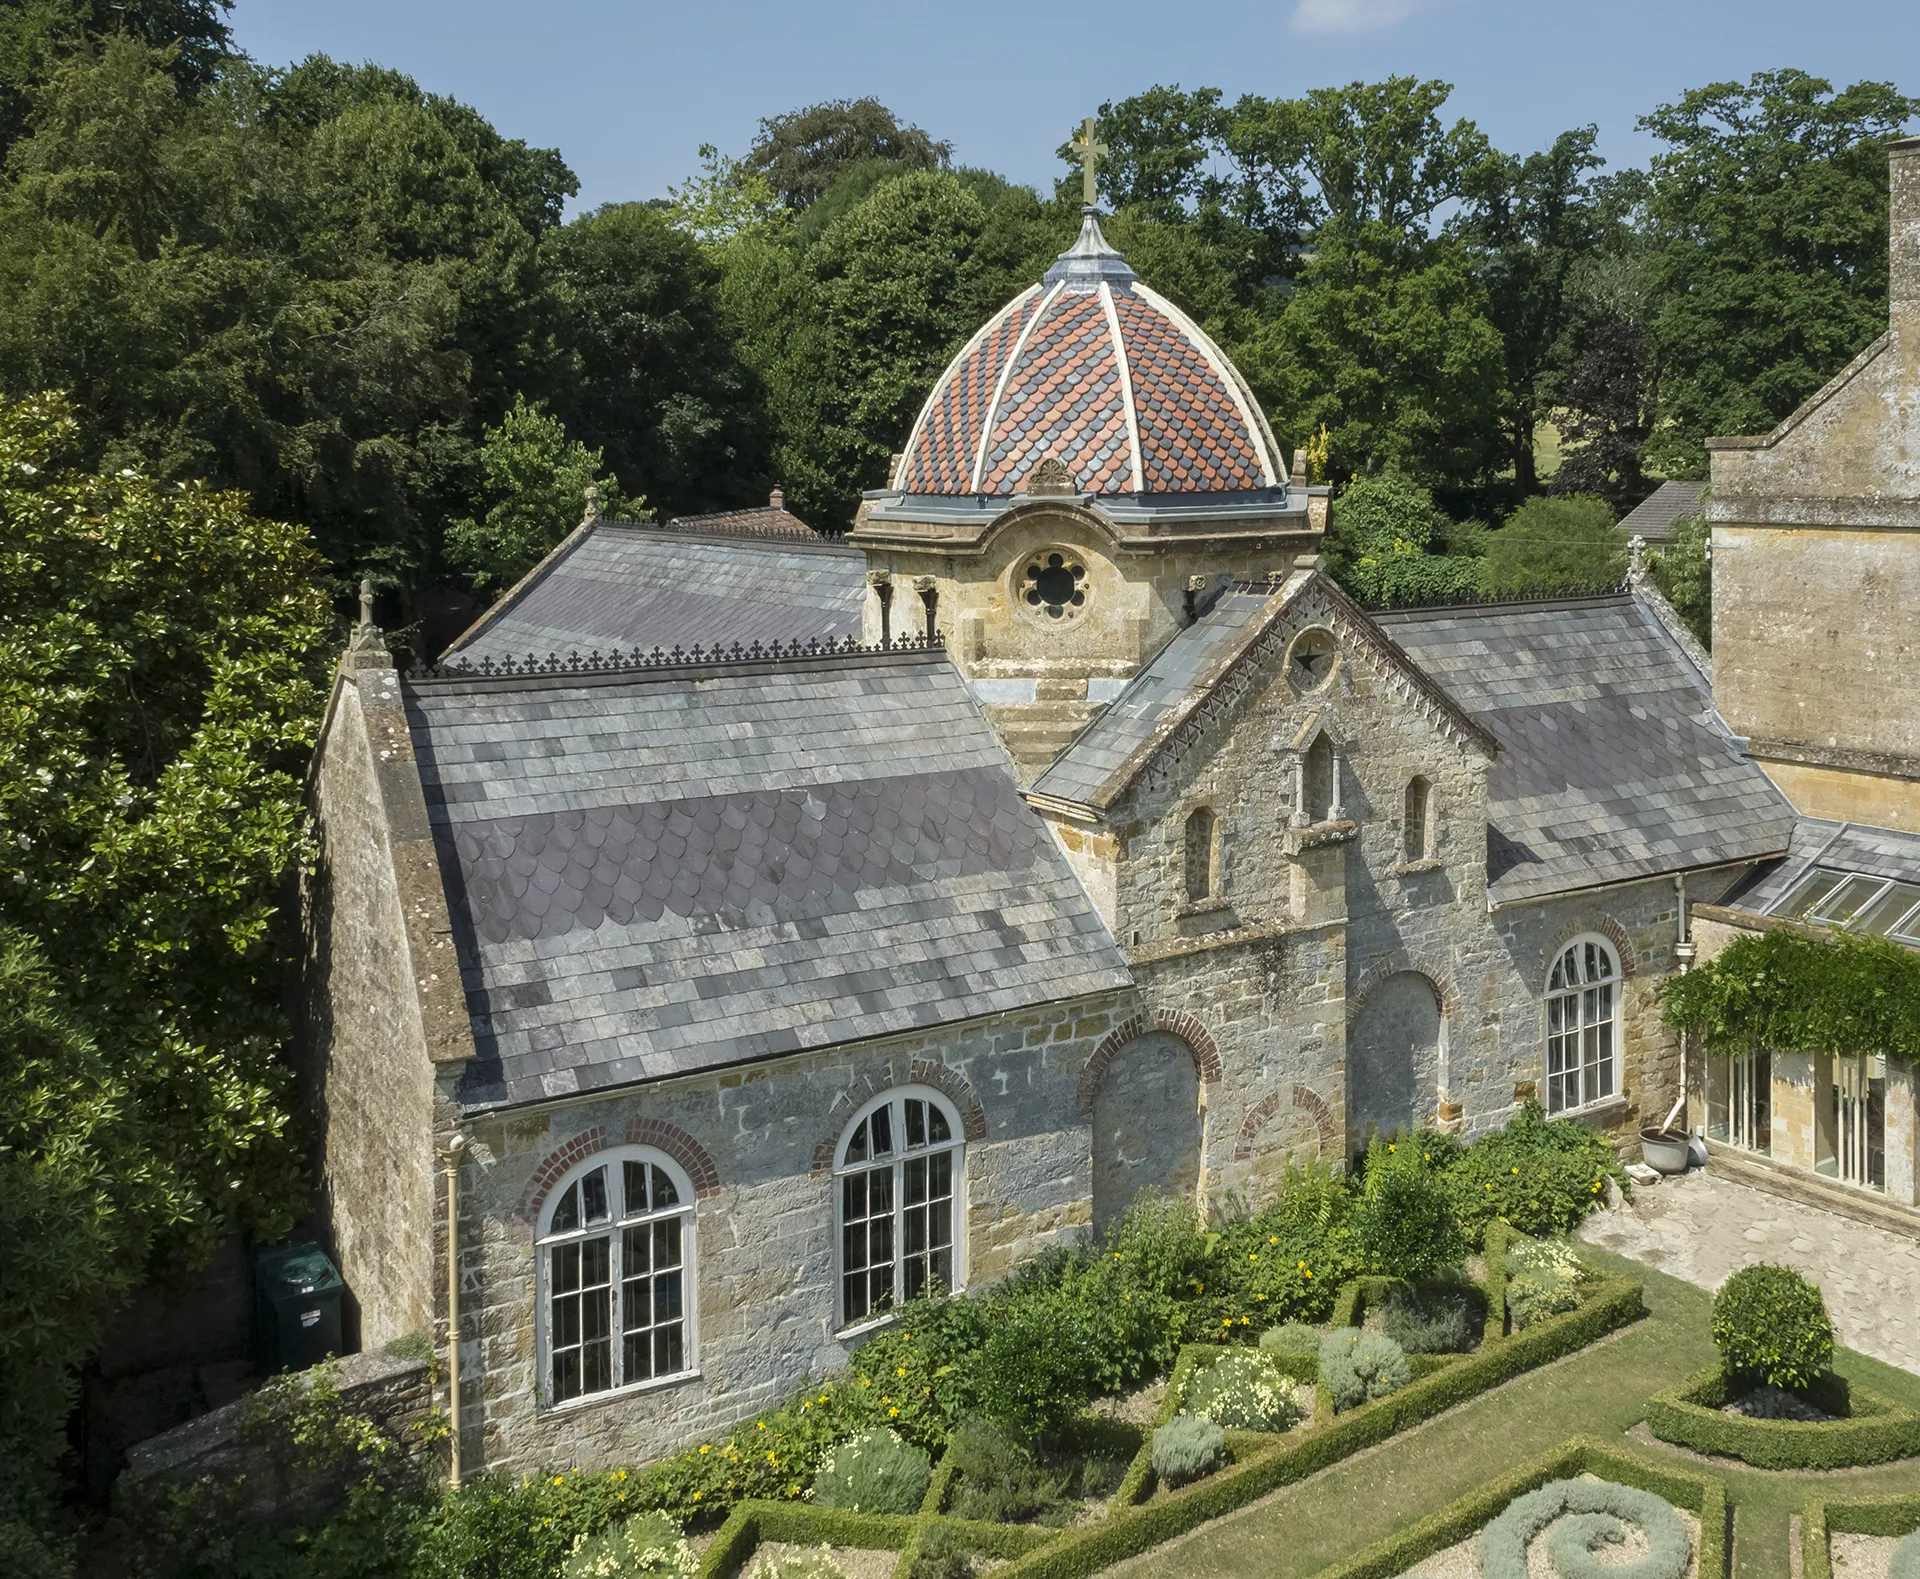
x=1311 y=661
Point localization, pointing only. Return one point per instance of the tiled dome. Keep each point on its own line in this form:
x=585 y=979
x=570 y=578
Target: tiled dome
x=1100 y=373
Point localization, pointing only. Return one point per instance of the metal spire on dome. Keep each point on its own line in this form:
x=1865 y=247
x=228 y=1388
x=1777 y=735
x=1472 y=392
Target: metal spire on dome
x=1091 y=258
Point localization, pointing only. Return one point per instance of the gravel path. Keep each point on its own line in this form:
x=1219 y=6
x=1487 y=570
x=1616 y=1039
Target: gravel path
x=1702 y=1228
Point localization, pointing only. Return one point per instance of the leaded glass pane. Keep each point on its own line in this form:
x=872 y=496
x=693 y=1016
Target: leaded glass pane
x=593 y=1196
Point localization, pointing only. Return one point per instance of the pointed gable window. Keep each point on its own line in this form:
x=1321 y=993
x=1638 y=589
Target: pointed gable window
x=1202 y=855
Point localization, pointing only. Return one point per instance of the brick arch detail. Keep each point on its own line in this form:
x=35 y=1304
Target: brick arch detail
x=1261 y=1113
x=1425 y=966
x=950 y=1083
x=657 y=1133
x=1601 y=925
x=1189 y=1031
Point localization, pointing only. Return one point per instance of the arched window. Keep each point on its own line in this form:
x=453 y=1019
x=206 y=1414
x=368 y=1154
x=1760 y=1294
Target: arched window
x=897 y=1179
x=616 y=1275
x=1317 y=782
x=1202 y=873
x=1417 y=830
x=1583 y=1025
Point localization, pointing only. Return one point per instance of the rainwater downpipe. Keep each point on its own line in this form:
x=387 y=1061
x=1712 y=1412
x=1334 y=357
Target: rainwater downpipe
x=454 y=1147
x=1683 y=952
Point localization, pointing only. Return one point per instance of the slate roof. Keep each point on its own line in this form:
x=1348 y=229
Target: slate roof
x=624 y=586
x=1092 y=367
x=665 y=871
x=1105 y=745
x=1612 y=764
x=1843 y=846
x=1653 y=517
x=773 y=519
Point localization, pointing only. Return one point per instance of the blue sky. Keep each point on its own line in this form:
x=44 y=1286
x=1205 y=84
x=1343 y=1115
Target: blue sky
x=628 y=91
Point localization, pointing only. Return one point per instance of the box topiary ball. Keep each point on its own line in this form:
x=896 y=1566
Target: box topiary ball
x=1770 y=1324
x=1187 y=1447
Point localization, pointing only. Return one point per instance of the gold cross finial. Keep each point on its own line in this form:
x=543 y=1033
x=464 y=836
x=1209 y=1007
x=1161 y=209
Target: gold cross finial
x=1091 y=151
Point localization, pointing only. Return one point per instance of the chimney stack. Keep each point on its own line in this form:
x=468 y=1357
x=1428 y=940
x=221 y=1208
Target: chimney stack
x=776 y=500
x=1903 y=161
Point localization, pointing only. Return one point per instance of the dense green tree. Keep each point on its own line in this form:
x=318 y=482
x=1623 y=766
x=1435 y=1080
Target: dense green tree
x=533 y=488
x=1393 y=353
x=314 y=285
x=1610 y=415
x=1530 y=224
x=652 y=379
x=1388 y=545
x=82 y=1192
x=36 y=34
x=1769 y=210
x=802 y=152
x=160 y=668
x=1553 y=545
x=1683 y=570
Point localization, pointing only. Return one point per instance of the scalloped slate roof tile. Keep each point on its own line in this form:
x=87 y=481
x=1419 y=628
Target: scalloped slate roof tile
x=638 y=586
x=659 y=873
x=1612 y=765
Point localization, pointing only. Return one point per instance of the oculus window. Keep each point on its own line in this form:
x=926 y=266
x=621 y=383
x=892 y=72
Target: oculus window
x=1055 y=584
x=897 y=1178
x=615 y=1256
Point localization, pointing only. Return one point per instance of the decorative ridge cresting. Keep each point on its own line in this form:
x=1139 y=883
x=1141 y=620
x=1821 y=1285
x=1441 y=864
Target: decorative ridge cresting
x=637 y=660
x=1574 y=594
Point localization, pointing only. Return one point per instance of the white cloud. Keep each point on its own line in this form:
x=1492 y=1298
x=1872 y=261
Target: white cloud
x=1351 y=16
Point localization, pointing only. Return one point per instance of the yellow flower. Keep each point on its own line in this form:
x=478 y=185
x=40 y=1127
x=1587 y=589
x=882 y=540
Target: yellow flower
x=620 y=1475
x=1516 y=1170
x=1273 y=1239
x=1246 y=1321
x=704 y=1448
x=894 y=1411
x=902 y=1371
x=1393 y=1148
x=1308 y=1272
x=1226 y=1321
x=759 y=1425
x=696 y=1496
x=804 y=1407
x=559 y=1480
x=1489 y=1186
x=1252 y=1256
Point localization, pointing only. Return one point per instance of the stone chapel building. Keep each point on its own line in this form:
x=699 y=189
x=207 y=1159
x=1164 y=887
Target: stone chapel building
x=753 y=930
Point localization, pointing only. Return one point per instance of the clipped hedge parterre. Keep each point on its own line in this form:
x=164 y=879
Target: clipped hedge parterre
x=1874 y=1429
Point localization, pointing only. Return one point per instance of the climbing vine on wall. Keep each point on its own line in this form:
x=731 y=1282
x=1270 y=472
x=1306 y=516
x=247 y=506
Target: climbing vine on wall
x=1794 y=992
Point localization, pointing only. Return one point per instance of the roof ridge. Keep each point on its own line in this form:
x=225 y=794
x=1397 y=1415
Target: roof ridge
x=635 y=660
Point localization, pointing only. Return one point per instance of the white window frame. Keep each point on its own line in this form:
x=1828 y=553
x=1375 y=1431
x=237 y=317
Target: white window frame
x=897 y=1163
x=1581 y=1024
x=620 y=1218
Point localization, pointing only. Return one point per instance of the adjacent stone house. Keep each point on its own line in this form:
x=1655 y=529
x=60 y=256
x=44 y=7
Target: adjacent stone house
x=1816 y=643
x=738 y=933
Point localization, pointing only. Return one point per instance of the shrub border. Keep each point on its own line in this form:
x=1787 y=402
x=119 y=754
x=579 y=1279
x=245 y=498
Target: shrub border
x=1898 y=1514
x=1877 y=1431
x=1700 y=1494
x=1265 y=1463
x=1260 y=1463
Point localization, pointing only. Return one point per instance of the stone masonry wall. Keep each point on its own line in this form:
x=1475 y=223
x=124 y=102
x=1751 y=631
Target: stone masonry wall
x=764 y=1293
x=370 y=1081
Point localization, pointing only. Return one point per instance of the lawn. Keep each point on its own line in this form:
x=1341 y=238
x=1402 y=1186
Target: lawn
x=1601 y=1392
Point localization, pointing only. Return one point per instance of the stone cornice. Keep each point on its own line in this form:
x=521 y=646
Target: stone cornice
x=1882 y=764
x=1857 y=513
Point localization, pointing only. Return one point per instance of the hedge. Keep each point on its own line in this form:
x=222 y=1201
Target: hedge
x=1281 y=1461
x=1875 y=1430
x=1260 y=1463
x=1699 y=1494
x=801 y=1524
x=1895 y=1515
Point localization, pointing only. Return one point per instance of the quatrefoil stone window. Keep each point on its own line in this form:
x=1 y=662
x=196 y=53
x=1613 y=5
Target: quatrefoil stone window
x=1055 y=584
